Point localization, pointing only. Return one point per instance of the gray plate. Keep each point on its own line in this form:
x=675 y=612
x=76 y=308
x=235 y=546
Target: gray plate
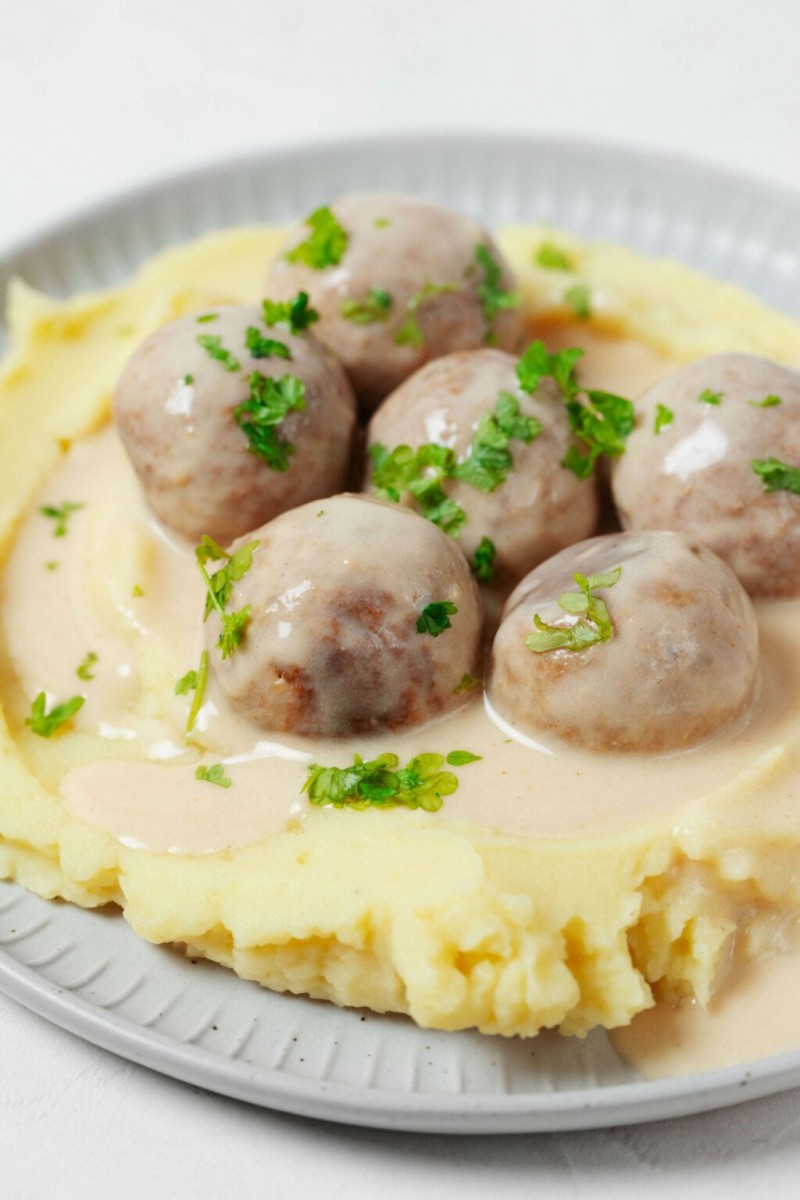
x=86 y=971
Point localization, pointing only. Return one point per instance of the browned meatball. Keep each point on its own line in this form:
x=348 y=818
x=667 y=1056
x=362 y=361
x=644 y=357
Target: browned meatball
x=680 y=664
x=411 y=282
x=336 y=591
x=537 y=506
x=176 y=410
x=722 y=421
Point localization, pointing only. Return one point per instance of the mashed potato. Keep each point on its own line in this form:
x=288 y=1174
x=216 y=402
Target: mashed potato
x=584 y=915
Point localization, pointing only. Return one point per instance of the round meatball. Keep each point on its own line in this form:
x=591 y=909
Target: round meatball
x=336 y=591
x=724 y=423
x=414 y=281
x=680 y=664
x=175 y=408
x=537 y=506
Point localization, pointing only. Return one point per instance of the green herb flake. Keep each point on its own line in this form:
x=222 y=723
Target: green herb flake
x=537 y=363
x=219 y=588
x=460 y=758
x=420 y=472
x=269 y=403
x=663 y=418
x=212 y=344
x=374 y=307
x=215 y=774
x=294 y=315
x=410 y=333
x=767 y=402
x=264 y=347
x=482 y=561
x=579 y=299
x=494 y=299
x=188 y=380
x=468 y=682
x=137 y=591
x=194 y=681
x=84 y=670
x=594 y=624
x=380 y=784
x=45 y=723
x=489 y=460
x=52 y=565
x=206 y=317
x=60 y=514
x=777 y=476
x=435 y=617
x=381 y=223
x=552 y=258
x=709 y=397
x=325 y=244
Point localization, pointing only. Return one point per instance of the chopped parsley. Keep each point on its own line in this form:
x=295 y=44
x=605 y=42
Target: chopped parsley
x=194 y=681
x=767 y=402
x=709 y=397
x=188 y=380
x=269 y=402
x=212 y=344
x=60 y=514
x=46 y=723
x=325 y=244
x=410 y=333
x=264 y=347
x=84 y=670
x=420 y=472
x=493 y=298
x=206 y=317
x=137 y=591
x=663 y=418
x=468 y=682
x=552 y=258
x=777 y=476
x=482 y=561
x=381 y=222
x=489 y=459
x=579 y=299
x=215 y=774
x=219 y=588
x=52 y=565
x=380 y=784
x=374 y=307
x=594 y=624
x=460 y=758
x=435 y=617
x=294 y=315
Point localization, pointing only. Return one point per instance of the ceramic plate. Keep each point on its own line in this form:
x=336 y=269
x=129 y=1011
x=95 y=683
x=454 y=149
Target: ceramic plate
x=87 y=971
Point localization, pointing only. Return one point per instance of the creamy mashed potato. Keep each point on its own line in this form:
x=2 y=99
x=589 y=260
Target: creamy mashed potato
x=563 y=894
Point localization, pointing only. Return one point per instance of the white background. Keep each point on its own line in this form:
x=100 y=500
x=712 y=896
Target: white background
x=97 y=97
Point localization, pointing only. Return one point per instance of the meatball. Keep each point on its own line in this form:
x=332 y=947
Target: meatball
x=671 y=661
x=336 y=592
x=722 y=422
x=202 y=472
x=413 y=281
x=537 y=506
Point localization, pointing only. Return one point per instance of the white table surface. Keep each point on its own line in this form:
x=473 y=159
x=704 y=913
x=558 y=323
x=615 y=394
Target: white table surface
x=96 y=97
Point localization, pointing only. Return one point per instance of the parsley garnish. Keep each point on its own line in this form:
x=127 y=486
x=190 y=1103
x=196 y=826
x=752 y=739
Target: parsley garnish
x=206 y=317
x=767 y=402
x=137 y=591
x=777 y=476
x=492 y=297
x=489 y=459
x=52 y=565
x=212 y=344
x=460 y=758
x=60 y=514
x=194 y=681
x=46 y=723
x=215 y=774
x=294 y=315
x=374 y=307
x=709 y=397
x=579 y=299
x=219 y=587
x=482 y=561
x=410 y=333
x=420 y=472
x=552 y=259
x=435 y=617
x=467 y=683
x=269 y=402
x=663 y=418
x=84 y=670
x=264 y=347
x=381 y=222
x=188 y=379
x=377 y=783
x=326 y=243
x=594 y=624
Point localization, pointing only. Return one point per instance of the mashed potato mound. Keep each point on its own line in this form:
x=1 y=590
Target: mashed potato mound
x=458 y=926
